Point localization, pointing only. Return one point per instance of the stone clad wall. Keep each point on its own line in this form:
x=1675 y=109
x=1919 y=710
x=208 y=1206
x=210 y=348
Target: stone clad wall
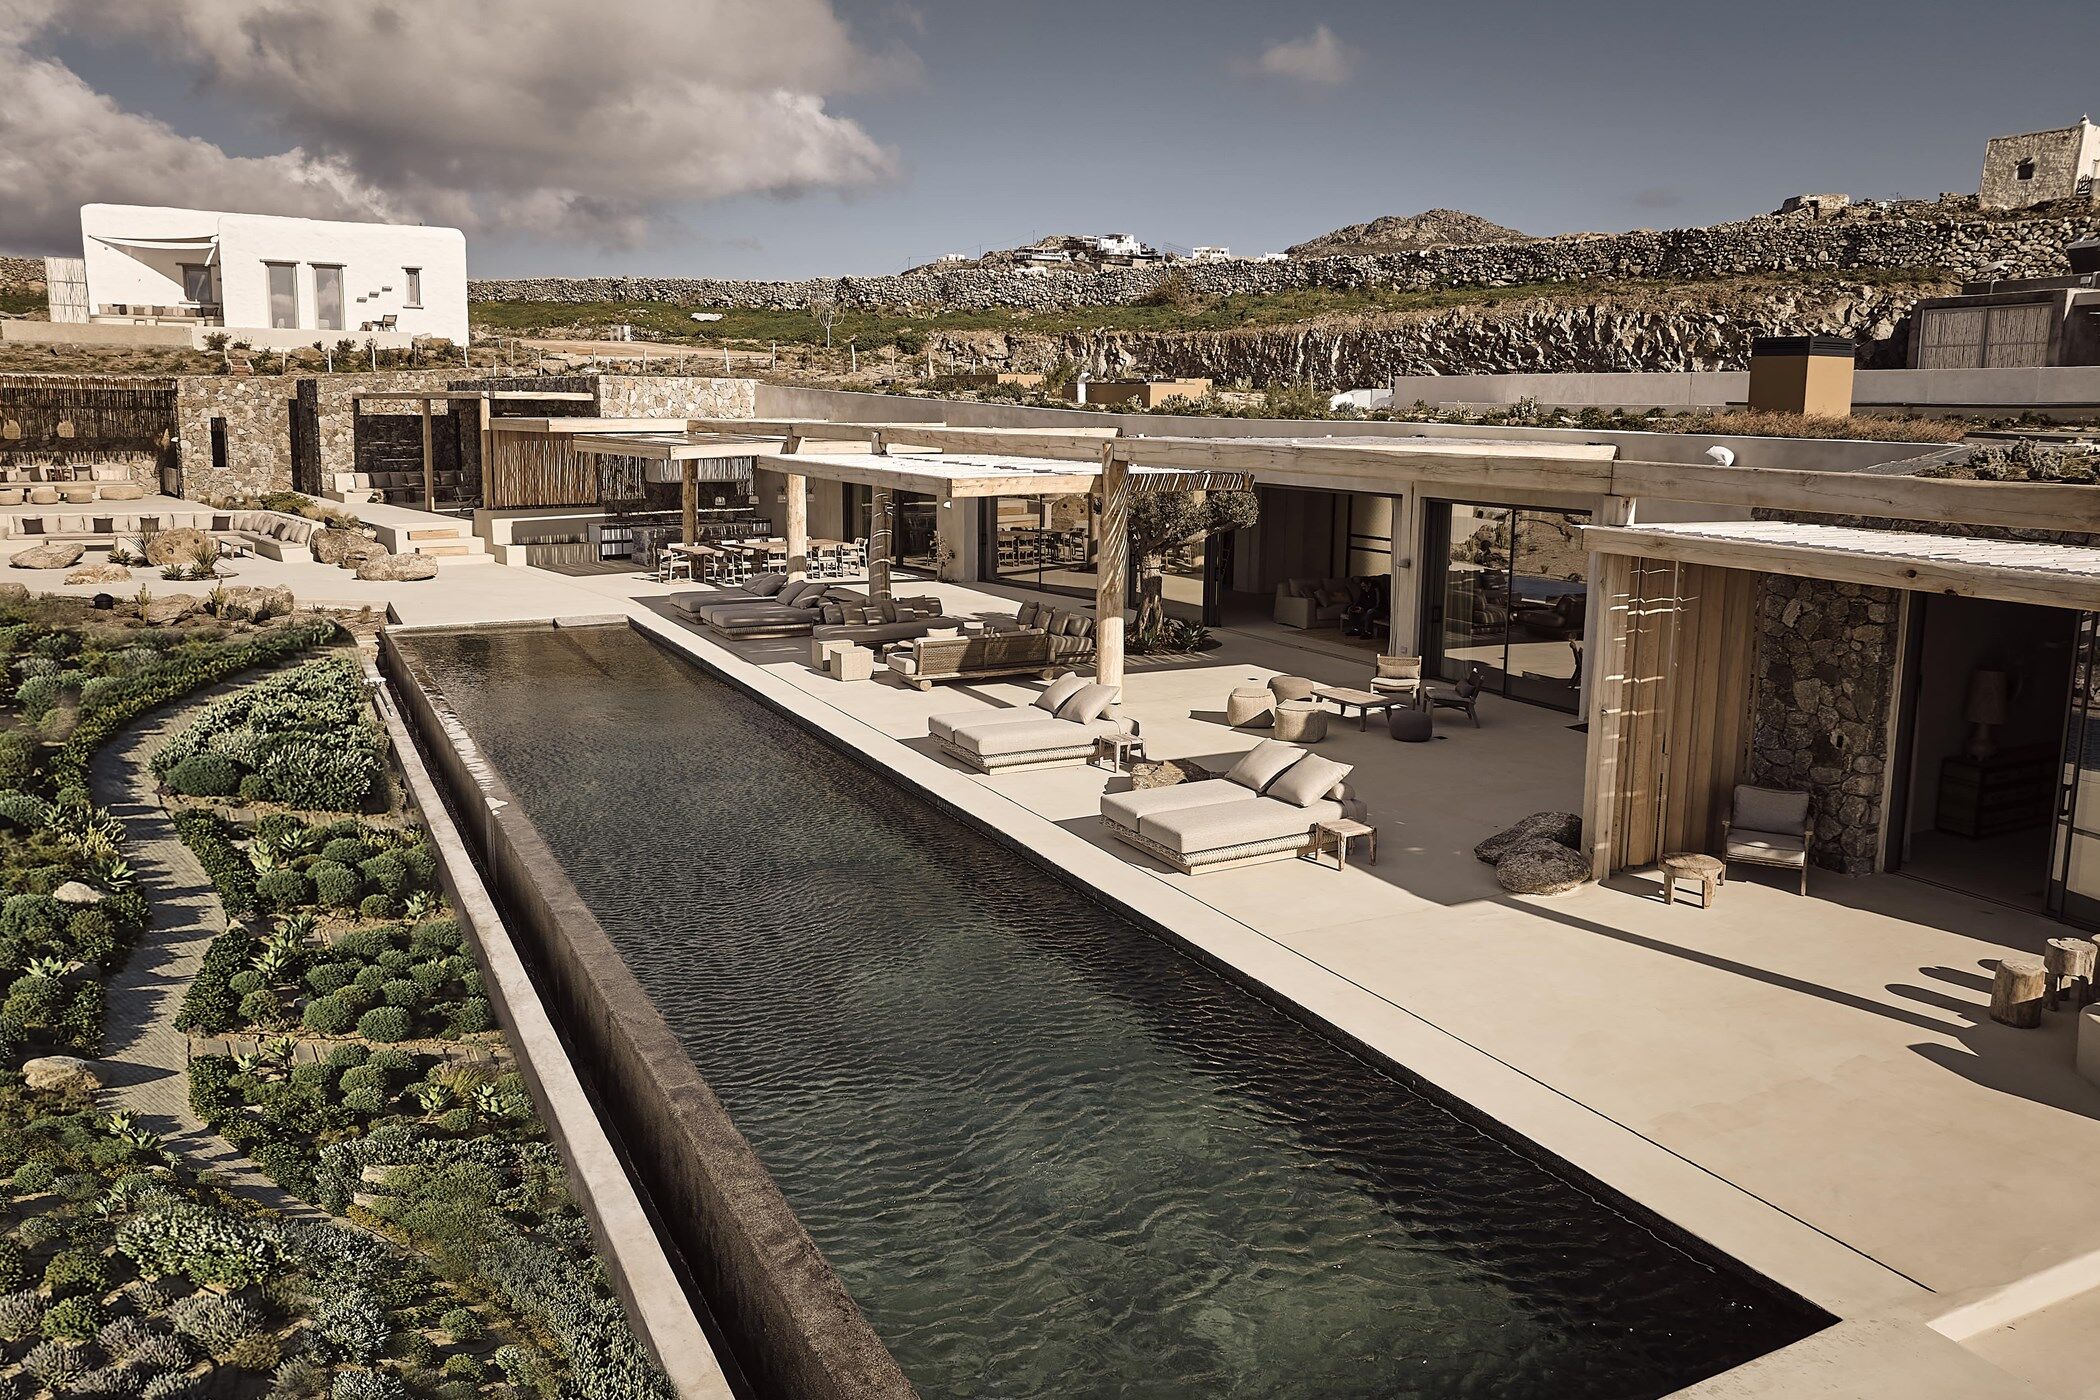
x=1951 y=236
x=1822 y=683
x=258 y=414
x=675 y=396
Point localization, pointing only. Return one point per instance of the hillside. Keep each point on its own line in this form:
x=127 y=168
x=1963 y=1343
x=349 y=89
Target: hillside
x=1395 y=233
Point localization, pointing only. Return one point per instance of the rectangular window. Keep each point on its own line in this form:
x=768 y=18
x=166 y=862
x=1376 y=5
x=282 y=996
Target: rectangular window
x=328 y=297
x=196 y=283
x=412 y=293
x=284 y=295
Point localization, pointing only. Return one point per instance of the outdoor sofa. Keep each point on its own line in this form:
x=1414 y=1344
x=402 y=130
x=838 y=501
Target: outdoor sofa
x=1061 y=727
x=1266 y=807
x=930 y=660
x=273 y=534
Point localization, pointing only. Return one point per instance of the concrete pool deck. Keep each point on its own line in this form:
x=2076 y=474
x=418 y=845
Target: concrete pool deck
x=1813 y=1086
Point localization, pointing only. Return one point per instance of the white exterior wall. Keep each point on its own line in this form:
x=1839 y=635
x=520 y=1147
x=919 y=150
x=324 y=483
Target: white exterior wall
x=373 y=257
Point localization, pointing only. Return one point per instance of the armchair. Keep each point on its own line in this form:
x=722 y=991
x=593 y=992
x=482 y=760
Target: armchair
x=1398 y=675
x=1765 y=826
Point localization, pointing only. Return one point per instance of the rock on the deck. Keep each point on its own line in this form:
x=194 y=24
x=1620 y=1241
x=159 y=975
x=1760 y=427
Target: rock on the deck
x=181 y=545
x=251 y=603
x=1543 y=867
x=397 y=568
x=63 y=1073
x=346 y=547
x=1564 y=828
x=100 y=573
x=55 y=555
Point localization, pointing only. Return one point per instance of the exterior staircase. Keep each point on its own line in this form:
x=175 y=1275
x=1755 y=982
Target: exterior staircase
x=447 y=539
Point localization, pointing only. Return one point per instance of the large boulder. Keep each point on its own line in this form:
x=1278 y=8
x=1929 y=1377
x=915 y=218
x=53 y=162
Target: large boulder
x=13 y=593
x=170 y=607
x=397 y=568
x=181 y=545
x=248 y=603
x=100 y=573
x=55 y=555
x=1563 y=827
x=61 y=1073
x=1542 y=867
x=346 y=547
x=75 y=892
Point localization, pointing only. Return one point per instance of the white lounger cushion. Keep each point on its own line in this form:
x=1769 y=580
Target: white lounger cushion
x=949 y=725
x=1043 y=736
x=1060 y=690
x=1218 y=826
x=1127 y=809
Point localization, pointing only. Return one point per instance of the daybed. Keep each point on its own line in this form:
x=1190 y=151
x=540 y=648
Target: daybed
x=1061 y=727
x=1266 y=807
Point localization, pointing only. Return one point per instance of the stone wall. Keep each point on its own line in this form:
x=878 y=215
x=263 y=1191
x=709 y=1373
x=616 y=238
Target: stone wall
x=675 y=396
x=258 y=414
x=1951 y=235
x=1825 y=663
x=2061 y=160
x=21 y=274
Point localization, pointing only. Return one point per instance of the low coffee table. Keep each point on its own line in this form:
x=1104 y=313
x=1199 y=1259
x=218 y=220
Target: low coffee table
x=1365 y=701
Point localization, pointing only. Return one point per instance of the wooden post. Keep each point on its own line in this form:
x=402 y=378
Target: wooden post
x=2016 y=992
x=797 y=530
x=689 y=501
x=482 y=465
x=882 y=516
x=429 y=475
x=1112 y=568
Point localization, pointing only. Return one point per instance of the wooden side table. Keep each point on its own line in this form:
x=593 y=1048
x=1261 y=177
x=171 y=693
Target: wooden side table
x=1341 y=832
x=1685 y=865
x=1120 y=748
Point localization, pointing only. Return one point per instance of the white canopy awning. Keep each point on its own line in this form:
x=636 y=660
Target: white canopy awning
x=207 y=242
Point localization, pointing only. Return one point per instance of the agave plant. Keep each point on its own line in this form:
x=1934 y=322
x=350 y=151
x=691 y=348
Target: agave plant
x=49 y=967
x=294 y=842
x=431 y=1095
x=491 y=1102
x=420 y=904
x=262 y=858
x=296 y=930
x=273 y=962
x=115 y=874
x=96 y=846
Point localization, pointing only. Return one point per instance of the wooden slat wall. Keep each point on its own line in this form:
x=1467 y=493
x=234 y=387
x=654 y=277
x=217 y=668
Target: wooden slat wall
x=1674 y=713
x=46 y=413
x=537 y=469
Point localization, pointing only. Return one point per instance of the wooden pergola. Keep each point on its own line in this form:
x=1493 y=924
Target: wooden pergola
x=482 y=397
x=710 y=459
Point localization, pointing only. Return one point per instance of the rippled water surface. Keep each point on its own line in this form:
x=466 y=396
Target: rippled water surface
x=1048 y=1155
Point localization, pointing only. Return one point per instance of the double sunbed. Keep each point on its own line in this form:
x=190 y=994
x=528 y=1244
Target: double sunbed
x=1268 y=806
x=1063 y=726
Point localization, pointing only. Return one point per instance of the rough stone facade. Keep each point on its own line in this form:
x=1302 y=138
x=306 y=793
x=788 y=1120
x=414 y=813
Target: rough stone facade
x=258 y=434
x=1951 y=235
x=21 y=274
x=1825 y=664
x=675 y=396
x=2058 y=164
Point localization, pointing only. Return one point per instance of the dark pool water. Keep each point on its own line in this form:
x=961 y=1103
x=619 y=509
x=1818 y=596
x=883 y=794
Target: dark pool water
x=1049 y=1155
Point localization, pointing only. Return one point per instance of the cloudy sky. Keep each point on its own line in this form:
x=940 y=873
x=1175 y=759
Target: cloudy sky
x=799 y=137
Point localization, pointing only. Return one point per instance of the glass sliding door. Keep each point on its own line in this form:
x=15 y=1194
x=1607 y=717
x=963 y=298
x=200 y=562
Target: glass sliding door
x=1508 y=594
x=1042 y=542
x=2074 y=865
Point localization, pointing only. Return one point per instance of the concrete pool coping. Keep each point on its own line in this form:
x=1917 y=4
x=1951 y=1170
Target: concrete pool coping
x=641 y=1272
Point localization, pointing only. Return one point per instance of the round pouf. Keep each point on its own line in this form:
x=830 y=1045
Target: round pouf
x=1248 y=707
x=1301 y=721
x=1410 y=726
x=1290 y=688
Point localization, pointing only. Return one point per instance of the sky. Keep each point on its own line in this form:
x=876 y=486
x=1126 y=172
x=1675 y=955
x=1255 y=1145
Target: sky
x=792 y=138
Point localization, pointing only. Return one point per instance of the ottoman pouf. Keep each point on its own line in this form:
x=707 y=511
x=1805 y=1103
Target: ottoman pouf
x=1410 y=725
x=1290 y=687
x=43 y=495
x=1301 y=721
x=1248 y=707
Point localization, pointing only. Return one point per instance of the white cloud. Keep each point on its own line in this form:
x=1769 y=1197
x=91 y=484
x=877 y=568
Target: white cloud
x=1318 y=58
x=564 y=120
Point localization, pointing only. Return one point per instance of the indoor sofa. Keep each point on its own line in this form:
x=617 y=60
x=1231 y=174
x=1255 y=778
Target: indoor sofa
x=1307 y=603
x=1265 y=808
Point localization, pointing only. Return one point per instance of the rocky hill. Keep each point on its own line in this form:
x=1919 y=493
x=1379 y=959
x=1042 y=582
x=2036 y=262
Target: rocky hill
x=1397 y=233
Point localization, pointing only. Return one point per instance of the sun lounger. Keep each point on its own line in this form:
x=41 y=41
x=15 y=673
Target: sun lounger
x=1266 y=808
x=1034 y=736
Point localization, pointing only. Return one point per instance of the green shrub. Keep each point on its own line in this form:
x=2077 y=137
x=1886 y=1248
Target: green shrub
x=472 y=1016
x=327 y=977
x=384 y=1024
x=211 y=1006
x=328 y=1015
x=462 y=1325
x=73 y=1272
x=458 y=1120
x=254 y=788
x=242 y=983
x=346 y=850
x=37 y=695
x=211 y=1086
x=261 y=1007
x=344 y=1056
x=204 y=1244
x=335 y=885
x=204 y=775
x=313 y=1079
x=73 y=1320
x=93 y=935
x=365 y=1100
x=284 y=888
x=20 y=756
x=365 y=944
x=34 y=918
x=376 y=906
x=82 y=1019
x=209 y=840
x=23 y=811
x=14 y=1266
x=78 y=1187
x=33 y=1177
x=371 y=977
x=392 y=1062
x=354 y=1322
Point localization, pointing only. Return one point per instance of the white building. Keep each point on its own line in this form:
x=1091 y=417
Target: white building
x=1210 y=253
x=1119 y=245
x=269 y=280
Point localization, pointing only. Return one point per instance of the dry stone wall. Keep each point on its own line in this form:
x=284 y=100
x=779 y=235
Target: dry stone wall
x=675 y=396
x=258 y=414
x=1951 y=236
x=21 y=274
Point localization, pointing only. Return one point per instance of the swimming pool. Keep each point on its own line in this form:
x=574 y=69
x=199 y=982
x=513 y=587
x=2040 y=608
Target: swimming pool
x=1048 y=1154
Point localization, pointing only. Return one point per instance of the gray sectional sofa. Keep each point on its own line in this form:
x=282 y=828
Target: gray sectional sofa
x=930 y=660
x=1265 y=808
x=1060 y=728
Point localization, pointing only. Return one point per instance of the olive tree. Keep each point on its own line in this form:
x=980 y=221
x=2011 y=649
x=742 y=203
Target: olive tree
x=1159 y=521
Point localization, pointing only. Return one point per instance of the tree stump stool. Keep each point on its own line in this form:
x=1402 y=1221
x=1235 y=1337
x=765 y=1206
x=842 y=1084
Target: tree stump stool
x=1301 y=721
x=2016 y=992
x=2069 y=965
x=1691 y=865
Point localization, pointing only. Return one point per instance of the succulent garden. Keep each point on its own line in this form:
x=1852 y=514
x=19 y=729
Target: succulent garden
x=363 y=1071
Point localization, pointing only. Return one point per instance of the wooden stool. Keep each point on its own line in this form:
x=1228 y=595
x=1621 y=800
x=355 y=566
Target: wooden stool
x=2016 y=992
x=2069 y=961
x=1689 y=865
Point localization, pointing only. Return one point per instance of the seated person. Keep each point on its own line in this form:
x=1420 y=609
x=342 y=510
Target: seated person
x=1366 y=608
